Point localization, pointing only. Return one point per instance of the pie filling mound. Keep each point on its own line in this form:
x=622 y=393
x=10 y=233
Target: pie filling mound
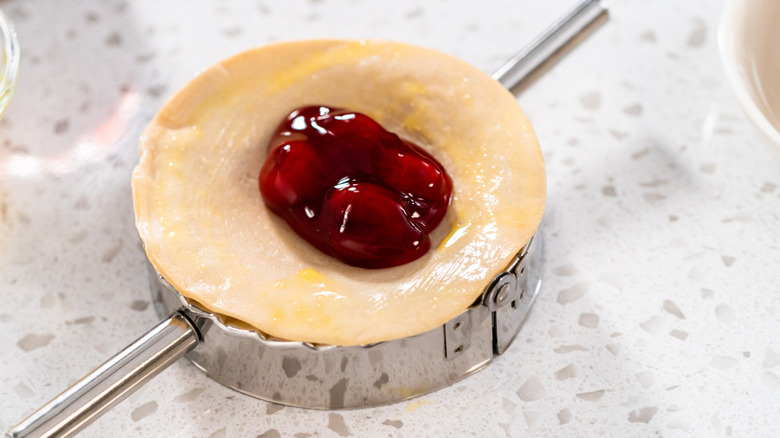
x=352 y=189
x=250 y=254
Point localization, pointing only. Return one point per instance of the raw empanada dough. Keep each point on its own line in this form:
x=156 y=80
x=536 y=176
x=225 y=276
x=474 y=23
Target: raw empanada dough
x=206 y=230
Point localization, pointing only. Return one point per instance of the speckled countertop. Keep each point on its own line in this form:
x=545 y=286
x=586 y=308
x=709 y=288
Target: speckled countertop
x=660 y=311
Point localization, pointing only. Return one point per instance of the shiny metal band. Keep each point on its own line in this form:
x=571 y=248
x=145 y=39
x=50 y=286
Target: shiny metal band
x=334 y=377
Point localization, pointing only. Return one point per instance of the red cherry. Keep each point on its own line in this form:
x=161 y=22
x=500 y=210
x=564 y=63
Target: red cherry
x=294 y=174
x=352 y=189
x=368 y=226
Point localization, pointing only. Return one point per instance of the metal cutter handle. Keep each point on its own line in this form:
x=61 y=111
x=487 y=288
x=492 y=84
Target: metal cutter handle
x=515 y=72
x=112 y=382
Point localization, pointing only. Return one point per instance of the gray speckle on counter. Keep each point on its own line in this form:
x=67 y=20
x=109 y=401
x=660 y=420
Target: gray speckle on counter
x=723 y=362
x=270 y=433
x=591 y=100
x=679 y=334
x=219 y=433
x=672 y=308
x=188 y=396
x=633 y=110
x=531 y=390
x=336 y=423
x=33 y=341
x=649 y=37
x=144 y=411
x=725 y=313
x=698 y=36
x=563 y=349
x=139 y=305
x=589 y=320
x=567 y=372
x=564 y=416
x=643 y=415
x=23 y=391
x=645 y=378
x=771 y=358
x=272 y=408
x=653 y=325
x=394 y=423
x=592 y=396
x=771 y=380
x=573 y=293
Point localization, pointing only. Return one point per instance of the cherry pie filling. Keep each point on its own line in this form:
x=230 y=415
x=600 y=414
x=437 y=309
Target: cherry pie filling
x=352 y=189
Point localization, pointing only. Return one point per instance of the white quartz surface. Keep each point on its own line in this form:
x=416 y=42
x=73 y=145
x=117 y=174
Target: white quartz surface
x=660 y=310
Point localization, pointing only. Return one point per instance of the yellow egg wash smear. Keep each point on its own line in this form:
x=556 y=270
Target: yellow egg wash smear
x=458 y=231
x=342 y=54
x=310 y=291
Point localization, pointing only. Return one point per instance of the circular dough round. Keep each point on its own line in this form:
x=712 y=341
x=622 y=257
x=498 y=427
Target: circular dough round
x=206 y=230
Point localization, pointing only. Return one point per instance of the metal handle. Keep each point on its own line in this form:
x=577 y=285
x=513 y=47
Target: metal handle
x=112 y=382
x=544 y=48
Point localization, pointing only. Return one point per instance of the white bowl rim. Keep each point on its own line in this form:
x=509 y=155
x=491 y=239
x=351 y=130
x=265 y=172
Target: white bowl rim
x=10 y=73
x=729 y=19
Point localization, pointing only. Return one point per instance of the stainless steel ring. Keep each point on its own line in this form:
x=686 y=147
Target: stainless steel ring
x=335 y=377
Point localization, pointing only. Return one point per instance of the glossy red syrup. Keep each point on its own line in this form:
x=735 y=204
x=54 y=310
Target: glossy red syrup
x=352 y=189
